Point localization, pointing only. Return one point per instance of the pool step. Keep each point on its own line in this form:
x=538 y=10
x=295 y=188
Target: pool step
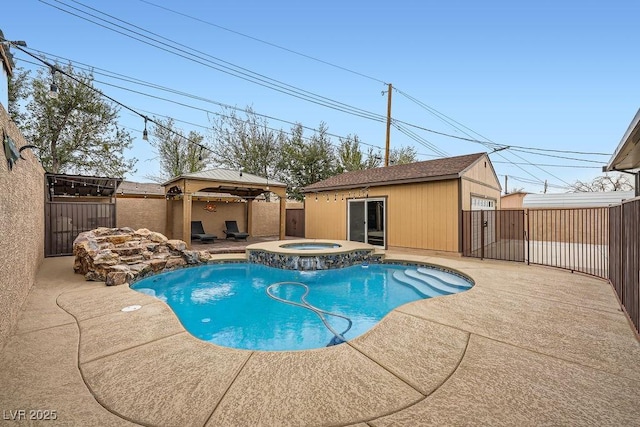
x=448 y=278
x=434 y=282
x=421 y=287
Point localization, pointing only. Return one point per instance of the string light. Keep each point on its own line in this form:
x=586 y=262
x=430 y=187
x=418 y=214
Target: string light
x=145 y=134
x=53 y=88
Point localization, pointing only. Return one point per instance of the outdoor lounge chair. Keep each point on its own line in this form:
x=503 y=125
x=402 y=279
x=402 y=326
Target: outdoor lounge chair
x=232 y=231
x=197 y=233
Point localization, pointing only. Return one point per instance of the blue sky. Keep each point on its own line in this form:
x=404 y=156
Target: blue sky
x=549 y=75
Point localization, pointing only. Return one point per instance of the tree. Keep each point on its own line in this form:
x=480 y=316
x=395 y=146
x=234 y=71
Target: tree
x=305 y=162
x=607 y=182
x=17 y=90
x=178 y=154
x=402 y=155
x=77 y=131
x=351 y=158
x=247 y=144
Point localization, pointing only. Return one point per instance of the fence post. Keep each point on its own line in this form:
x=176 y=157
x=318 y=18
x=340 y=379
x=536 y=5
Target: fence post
x=527 y=236
x=481 y=234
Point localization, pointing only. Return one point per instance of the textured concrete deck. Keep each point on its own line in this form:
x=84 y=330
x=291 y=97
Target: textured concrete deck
x=526 y=346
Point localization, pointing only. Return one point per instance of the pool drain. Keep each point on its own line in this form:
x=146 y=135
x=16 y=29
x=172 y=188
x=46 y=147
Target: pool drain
x=338 y=338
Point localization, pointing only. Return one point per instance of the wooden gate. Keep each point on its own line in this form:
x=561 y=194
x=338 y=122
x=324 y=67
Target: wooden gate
x=295 y=223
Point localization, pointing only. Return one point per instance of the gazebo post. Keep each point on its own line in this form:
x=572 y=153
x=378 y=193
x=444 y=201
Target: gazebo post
x=283 y=215
x=186 y=219
x=169 y=218
x=249 y=212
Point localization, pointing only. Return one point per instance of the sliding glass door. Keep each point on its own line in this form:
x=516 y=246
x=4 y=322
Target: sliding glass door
x=366 y=221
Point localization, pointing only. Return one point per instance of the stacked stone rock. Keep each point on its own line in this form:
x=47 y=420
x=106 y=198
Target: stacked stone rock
x=119 y=256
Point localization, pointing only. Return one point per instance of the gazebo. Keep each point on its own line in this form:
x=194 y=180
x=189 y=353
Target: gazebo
x=217 y=185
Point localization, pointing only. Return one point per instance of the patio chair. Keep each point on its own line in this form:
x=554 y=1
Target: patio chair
x=232 y=231
x=197 y=233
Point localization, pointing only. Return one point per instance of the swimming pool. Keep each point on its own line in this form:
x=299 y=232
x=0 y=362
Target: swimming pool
x=228 y=304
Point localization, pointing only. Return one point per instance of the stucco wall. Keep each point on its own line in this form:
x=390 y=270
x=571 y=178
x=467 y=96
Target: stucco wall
x=266 y=219
x=138 y=213
x=21 y=228
x=151 y=213
x=213 y=222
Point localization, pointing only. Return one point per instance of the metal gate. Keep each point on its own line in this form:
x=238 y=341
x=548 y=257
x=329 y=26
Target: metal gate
x=65 y=220
x=494 y=234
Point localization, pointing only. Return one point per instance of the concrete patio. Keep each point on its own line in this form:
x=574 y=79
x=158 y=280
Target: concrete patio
x=528 y=345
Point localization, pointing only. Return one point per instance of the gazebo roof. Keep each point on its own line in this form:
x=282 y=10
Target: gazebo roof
x=227 y=176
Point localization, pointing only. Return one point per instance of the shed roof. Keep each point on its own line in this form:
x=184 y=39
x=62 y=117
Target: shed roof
x=576 y=200
x=430 y=170
x=226 y=175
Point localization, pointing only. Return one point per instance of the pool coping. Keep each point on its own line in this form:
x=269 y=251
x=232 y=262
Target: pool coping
x=386 y=376
x=275 y=246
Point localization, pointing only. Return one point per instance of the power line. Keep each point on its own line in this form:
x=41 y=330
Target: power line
x=486 y=142
x=138 y=113
x=528 y=181
x=152 y=85
x=510 y=146
x=557 y=157
x=357 y=73
x=414 y=136
x=552 y=166
x=215 y=63
x=266 y=42
x=420 y=140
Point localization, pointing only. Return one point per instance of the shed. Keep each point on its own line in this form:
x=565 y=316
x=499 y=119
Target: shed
x=417 y=205
x=512 y=200
x=231 y=191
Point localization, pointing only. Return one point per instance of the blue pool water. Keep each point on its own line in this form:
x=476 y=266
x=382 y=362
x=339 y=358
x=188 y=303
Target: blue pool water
x=310 y=246
x=228 y=304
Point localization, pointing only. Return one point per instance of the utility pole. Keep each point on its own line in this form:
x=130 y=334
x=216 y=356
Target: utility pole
x=386 y=152
x=506 y=180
